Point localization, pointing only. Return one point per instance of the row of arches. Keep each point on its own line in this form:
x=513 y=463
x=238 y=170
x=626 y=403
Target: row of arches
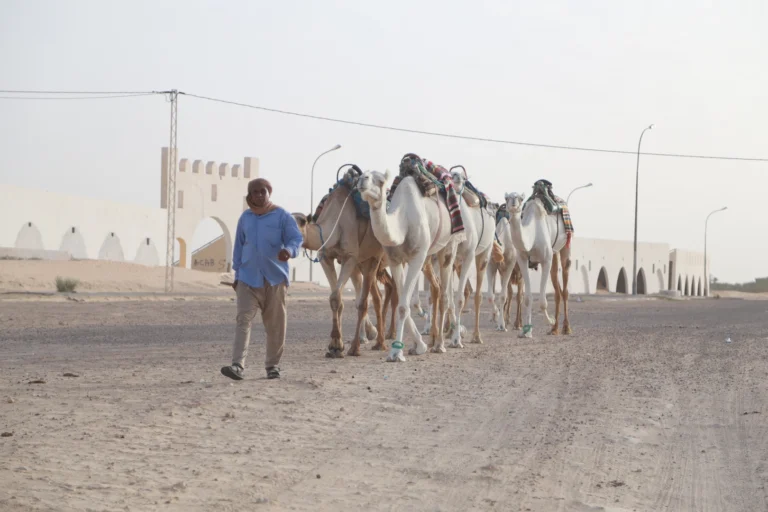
x=208 y=230
x=690 y=287
x=73 y=242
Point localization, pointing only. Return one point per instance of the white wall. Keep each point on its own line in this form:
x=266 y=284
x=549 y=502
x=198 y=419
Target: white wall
x=688 y=268
x=53 y=216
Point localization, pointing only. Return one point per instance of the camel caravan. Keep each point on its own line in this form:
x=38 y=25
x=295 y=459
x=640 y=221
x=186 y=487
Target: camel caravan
x=433 y=221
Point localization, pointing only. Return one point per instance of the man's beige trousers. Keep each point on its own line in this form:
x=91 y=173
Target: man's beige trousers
x=271 y=301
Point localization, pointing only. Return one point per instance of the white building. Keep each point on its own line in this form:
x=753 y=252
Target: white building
x=37 y=221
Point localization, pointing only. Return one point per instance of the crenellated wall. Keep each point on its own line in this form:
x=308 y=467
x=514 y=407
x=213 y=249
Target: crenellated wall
x=89 y=228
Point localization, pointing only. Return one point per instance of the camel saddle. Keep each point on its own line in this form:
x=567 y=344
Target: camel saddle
x=430 y=179
x=349 y=180
x=473 y=196
x=554 y=205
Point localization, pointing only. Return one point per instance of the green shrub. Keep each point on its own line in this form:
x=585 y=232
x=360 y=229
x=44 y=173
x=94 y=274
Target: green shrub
x=66 y=285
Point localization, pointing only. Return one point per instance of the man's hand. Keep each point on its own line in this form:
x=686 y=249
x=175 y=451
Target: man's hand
x=284 y=255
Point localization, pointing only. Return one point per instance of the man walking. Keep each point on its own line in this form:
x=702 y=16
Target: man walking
x=267 y=237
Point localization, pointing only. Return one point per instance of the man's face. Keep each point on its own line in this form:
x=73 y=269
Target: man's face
x=260 y=195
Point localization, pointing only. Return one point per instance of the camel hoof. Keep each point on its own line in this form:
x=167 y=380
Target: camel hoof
x=567 y=330
x=335 y=353
x=456 y=344
x=418 y=349
x=554 y=332
x=438 y=350
x=477 y=340
x=396 y=356
x=391 y=335
x=379 y=346
x=363 y=341
x=354 y=352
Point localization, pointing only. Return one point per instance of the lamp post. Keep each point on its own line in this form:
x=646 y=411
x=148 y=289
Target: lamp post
x=637 y=185
x=312 y=194
x=706 y=275
x=568 y=199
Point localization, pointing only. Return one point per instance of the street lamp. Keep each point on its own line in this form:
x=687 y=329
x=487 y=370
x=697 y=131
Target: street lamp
x=312 y=194
x=706 y=275
x=637 y=185
x=567 y=200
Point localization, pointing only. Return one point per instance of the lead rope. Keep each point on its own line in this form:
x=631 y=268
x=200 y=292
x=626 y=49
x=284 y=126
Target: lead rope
x=341 y=211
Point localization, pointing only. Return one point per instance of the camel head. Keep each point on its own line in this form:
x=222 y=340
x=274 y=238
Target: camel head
x=302 y=221
x=371 y=186
x=514 y=202
x=459 y=176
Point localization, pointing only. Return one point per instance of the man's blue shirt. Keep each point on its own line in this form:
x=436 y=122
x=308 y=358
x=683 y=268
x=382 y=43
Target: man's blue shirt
x=258 y=240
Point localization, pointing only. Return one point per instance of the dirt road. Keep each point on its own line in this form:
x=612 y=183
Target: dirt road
x=644 y=408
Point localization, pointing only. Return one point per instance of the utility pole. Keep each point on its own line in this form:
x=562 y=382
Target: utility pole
x=173 y=97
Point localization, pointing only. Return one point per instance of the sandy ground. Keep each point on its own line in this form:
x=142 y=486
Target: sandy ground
x=644 y=408
x=100 y=276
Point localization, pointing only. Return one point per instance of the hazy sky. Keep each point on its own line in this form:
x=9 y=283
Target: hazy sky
x=573 y=73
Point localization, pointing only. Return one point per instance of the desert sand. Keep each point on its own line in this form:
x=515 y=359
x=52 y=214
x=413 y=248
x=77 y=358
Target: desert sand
x=119 y=405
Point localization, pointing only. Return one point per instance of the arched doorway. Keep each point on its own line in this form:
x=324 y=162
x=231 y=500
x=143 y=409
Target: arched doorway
x=74 y=243
x=641 y=290
x=698 y=288
x=585 y=278
x=680 y=284
x=211 y=247
x=29 y=237
x=146 y=254
x=621 y=282
x=687 y=288
x=602 y=280
x=111 y=249
x=180 y=251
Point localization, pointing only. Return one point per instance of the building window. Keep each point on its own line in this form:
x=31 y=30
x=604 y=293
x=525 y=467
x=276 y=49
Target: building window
x=654 y=268
x=73 y=229
x=214 y=191
x=180 y=200
x=577 y=264
x=590 y=265
x=147 y=240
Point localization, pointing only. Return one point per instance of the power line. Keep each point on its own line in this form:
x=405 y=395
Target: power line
x=134 y=95
x=467 y=137
x=81 y=92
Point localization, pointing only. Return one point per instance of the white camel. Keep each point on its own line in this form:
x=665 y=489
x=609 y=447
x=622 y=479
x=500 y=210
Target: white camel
x=509 y=273
x=480 y=228
x=540 y=238
x=414 y=228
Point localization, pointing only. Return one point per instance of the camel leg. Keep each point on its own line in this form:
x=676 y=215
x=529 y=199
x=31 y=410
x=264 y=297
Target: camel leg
x=434 y=297
x=565 y=258
x=545 y=269
x=467 y=292
x=468 y=250
x=445 y=259
x=481 y=263
x=492 y=270
x=411 y=283
x=379 y=307
x=429 y=277
x=336 y=349
x=369 y=276
x=519 y=317
x=527 y=331
x=556 y=285
x=505 y=292
x=336 y=346
x=431 y=282
x=369 y=328
x=389 y=302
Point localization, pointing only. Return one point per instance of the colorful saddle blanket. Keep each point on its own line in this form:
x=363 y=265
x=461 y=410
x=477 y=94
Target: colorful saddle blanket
x=431 y=179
